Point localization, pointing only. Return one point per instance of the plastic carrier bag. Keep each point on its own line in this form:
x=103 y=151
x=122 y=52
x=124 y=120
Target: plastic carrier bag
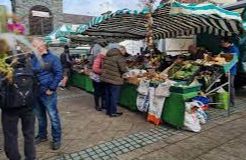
x=162 y=90
x=223 y=99
x=156 y=104
x=191 y=121
x=143 y=87
x=202 y=116
x=143 y=103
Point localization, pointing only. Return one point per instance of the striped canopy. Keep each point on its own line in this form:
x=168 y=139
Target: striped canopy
x=69 y=33
x=85 y=40
x=57 y=41
x=62 y=33
x=170 y=20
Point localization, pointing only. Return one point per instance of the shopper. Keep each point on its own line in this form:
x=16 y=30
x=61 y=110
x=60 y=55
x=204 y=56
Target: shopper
x=124 y=52
x=196 y=53
x=99 y=94
x=94 y=51
x=66 y=62
x=17 y=98
x=49 y=73
x=229 y=48
x=113 y=68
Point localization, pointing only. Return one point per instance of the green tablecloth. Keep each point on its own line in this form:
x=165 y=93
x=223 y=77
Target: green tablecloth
x=174 y=107
x=128 y=96
x=81 y=80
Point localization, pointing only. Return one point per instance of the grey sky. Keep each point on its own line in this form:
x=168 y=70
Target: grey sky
x=92 y=7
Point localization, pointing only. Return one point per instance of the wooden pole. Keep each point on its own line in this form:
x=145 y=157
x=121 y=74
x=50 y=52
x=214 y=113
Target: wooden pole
x=149 y=17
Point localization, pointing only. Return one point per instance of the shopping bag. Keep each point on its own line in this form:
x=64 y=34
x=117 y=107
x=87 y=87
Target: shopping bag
x=142 y=103
x=202 y=99
x=201 y=115
x=143 y=87
x=191 y=121
x=222 y=98
x=163 y=90
x=156 y=104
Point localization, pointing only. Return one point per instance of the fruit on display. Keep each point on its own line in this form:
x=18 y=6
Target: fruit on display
x=221 y=59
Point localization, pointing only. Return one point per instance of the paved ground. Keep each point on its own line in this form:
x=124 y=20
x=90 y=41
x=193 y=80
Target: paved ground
x=88 y=134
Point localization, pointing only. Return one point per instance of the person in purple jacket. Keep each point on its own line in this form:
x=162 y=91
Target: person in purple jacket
x=229 y=48
x=48 y=70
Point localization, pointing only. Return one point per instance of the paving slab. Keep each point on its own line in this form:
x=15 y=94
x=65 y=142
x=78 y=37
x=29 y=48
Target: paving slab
x=89 y=134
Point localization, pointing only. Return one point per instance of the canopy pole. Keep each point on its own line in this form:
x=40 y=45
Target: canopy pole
x=149 y=36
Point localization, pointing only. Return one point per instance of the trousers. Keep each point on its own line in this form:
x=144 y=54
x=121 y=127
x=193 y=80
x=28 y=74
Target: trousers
x=10 y=119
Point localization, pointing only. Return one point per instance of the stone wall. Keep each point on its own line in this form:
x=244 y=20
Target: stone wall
x=55 y=6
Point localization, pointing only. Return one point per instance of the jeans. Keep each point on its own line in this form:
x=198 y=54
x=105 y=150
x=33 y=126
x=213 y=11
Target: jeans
x=48 y=104
x=112 y=93
x=99 y=94
x=10 y=119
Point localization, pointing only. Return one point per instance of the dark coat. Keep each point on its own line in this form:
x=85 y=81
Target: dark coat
x=66 y=60
x=113 y=67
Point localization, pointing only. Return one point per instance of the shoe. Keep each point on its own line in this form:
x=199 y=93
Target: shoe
x=119 y=113
x=62 y=88
x=104 y=108
x=56 y=145
x=115 y=115
x=39 y=140
x=98 y=108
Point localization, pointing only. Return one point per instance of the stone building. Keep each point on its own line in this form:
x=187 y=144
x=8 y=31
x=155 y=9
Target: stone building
x=41 y=17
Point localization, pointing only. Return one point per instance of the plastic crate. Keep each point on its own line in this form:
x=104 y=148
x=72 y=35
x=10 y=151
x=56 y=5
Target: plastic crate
x=185 y=89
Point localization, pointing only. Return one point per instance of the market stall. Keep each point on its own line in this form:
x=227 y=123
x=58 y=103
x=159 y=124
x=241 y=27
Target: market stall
x=180 y=79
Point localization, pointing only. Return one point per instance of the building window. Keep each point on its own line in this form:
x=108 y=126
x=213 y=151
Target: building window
x=40 y=20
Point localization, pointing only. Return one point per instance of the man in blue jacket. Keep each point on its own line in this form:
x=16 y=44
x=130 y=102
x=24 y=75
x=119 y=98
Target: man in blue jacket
x=230 y=48
x=48 y=70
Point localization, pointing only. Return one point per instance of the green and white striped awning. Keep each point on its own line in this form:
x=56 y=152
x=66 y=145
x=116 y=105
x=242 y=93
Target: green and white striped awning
x=170 y=20
x=85 y=40
x=69 y=33
x=61 y=35
x=57 y=41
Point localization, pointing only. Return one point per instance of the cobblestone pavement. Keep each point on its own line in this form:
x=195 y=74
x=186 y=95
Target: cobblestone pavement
x=91 y=135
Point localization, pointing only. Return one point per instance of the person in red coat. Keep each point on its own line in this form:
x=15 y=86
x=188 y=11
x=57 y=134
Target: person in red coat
x=97 y=84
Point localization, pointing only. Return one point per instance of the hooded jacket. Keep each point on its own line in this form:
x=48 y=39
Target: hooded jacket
x=113 y=67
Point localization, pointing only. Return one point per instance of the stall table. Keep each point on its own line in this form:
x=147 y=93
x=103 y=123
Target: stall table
x=174 y=108
x=82 y=81
x=128 y=96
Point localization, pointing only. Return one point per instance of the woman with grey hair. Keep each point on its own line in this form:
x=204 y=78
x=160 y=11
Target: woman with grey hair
x=124 y=51
x=97 y=84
